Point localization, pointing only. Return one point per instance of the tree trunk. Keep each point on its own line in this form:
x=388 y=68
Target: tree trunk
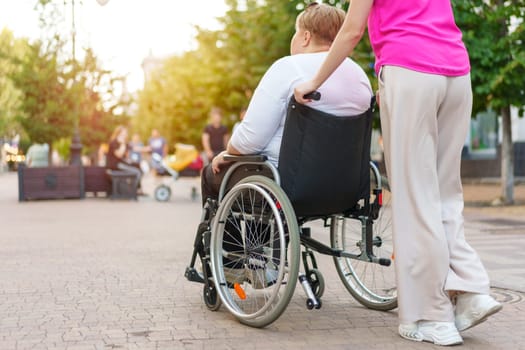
x=507 y=158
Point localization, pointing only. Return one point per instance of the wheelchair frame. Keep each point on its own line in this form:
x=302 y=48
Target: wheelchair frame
x=209 y=238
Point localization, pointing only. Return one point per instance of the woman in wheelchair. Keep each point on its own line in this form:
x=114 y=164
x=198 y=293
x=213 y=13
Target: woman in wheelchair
x=346 y=93
x=249 y=239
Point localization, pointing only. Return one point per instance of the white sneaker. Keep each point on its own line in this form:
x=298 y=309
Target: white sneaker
x=439 y=333
x=472 y=309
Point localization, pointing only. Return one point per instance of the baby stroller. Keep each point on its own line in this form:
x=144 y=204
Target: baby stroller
x=185 y=162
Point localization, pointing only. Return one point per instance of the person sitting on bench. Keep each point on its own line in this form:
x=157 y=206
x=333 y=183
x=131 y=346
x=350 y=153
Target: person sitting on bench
x=117 y=153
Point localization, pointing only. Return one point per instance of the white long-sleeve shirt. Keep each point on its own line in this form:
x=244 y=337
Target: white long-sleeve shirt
x=346 y=92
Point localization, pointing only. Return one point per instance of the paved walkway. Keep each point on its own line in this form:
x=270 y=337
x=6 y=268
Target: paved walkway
x=101 y=274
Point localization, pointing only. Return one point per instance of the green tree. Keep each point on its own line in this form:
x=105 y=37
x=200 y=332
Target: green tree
x=493 y=31
x=11 y=49
x=45 y=112
x=59 y=92
x=102 y=102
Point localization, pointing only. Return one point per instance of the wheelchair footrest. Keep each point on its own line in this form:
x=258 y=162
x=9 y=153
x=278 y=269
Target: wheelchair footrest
x=193 y=275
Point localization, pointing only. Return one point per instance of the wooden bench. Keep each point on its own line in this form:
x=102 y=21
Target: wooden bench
x=73 y=182
x=96 y=180
x=50 y=182
x=115 y=184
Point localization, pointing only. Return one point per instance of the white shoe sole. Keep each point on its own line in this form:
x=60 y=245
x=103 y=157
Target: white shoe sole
x=411 y=332
x=462 y=324
x=444 y=342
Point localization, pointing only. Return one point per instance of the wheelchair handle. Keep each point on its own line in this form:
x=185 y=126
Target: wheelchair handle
x=314 y=95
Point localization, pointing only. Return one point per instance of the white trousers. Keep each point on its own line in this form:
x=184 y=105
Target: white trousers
x=424 y=120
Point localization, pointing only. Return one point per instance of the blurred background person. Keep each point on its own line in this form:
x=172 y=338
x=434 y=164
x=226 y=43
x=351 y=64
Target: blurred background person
x=215 y=135
x=38 y=155
x=136 y=147
x=157 y=145
x=118 y=151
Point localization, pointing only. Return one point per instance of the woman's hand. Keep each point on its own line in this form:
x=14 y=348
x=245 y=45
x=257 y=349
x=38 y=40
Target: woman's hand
x=303 y=89
x=217 y=162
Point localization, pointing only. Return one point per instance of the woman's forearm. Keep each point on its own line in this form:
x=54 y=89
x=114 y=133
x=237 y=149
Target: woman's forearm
x=346 y=40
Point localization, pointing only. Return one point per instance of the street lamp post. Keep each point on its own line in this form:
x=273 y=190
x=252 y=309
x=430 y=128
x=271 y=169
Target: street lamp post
x=75 y=149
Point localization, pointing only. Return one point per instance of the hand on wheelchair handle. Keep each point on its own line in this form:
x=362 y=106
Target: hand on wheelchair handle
x=303 y=90
x=314 y=95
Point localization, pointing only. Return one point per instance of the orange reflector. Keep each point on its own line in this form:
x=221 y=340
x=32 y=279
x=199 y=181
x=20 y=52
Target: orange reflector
x=393 y=256
x=240 y=292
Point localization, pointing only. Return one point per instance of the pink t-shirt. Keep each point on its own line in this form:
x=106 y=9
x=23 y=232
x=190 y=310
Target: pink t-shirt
x=417 y=34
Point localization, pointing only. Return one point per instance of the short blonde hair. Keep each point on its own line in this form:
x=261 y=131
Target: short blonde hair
x=322 y=21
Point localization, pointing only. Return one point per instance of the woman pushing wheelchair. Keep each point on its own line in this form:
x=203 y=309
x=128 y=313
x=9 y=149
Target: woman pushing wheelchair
x=425 y=101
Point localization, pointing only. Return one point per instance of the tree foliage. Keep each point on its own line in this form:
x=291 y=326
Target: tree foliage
x=11 y=49
x=102 y=102
x=494 y=33
x=49 y=93
x=46 y=110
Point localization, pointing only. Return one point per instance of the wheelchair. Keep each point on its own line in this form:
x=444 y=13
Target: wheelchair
x=249 y=239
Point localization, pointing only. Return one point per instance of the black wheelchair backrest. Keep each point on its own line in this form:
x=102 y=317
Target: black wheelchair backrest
x=324 y=160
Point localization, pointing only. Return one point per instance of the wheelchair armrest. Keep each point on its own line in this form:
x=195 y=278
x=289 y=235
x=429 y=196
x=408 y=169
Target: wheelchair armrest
x=252 y=158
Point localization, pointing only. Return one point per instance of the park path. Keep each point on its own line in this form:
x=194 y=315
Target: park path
x=99 y=274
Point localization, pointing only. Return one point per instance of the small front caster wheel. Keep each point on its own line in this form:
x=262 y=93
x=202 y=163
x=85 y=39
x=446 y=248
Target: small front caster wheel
x=162 y=193
x=310 y=304
x=211 y=298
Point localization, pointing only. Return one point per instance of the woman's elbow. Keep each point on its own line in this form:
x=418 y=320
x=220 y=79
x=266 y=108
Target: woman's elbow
x=353 y=35
x=230 y=149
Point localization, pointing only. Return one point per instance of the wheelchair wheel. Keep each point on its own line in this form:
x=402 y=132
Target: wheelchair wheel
x=255 y=251
x=211 y=299
x=371 y=284
x=162 y=193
